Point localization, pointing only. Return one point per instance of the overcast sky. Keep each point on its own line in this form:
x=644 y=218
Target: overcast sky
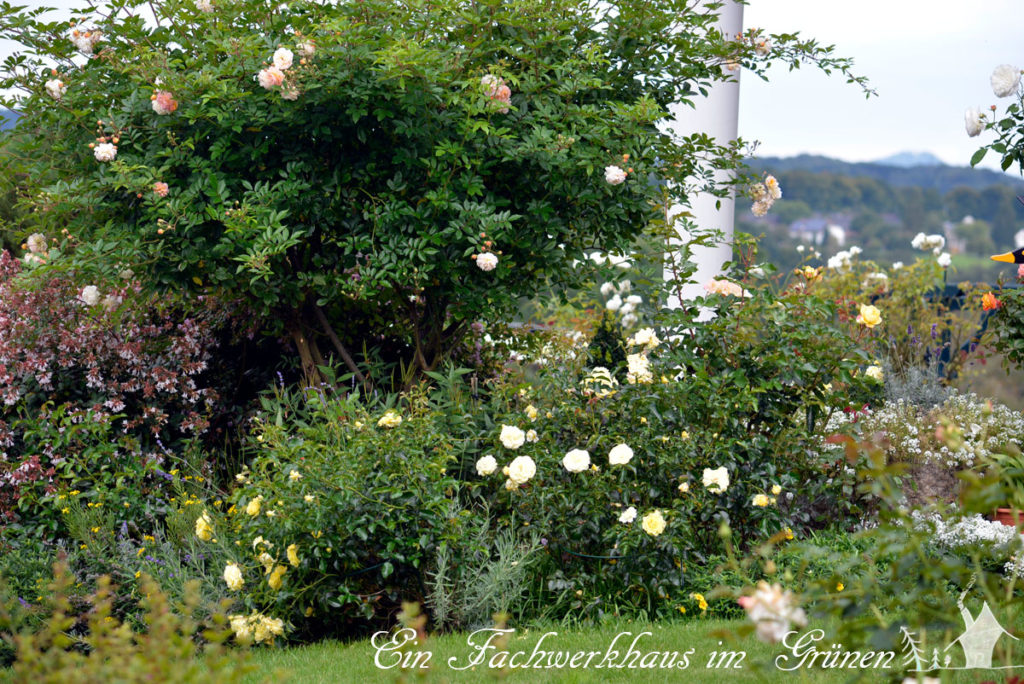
x=928 y=59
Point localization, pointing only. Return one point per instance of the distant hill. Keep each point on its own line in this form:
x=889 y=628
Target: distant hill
x=7 y=119
x=938 y=177
x=909 y=159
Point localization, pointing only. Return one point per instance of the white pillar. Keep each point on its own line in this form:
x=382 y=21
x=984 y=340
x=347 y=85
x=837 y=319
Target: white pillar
x=718 y=116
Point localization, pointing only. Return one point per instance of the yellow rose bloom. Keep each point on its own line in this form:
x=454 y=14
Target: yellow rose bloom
x=760 y=500
x=869 y=316
x=840 y=587
x=293 y=554
x=275 y=577
x=531 y=412
x=233 y=576
x=204 y=530
x=776 y=490
x=390 y=419
x=253 y=507
x=653 y=523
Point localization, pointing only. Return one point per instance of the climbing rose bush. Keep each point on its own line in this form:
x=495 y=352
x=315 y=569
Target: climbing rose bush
x=337 y=164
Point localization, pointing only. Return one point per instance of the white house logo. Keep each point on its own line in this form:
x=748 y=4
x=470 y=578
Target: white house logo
x=979 y=640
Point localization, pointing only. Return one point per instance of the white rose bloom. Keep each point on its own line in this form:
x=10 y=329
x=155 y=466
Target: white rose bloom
x=56 y=88
x=897 y=265
x=511 y=437
x=973 y=121
x=635 y=300
x=645 y=337
x=105 y=152
x=628 y=515
x=855 y=250
x=716 y=481
x=614 y=175
x=614 y=304
x=90 y=295
x=607 y=289
x=627 y=309
x=639 y=369
x=620 y=454
x=630 y=319
x=576 y=461
x=531 y=436
x=945 y=260
x=283 y=58
x=487 y=261
x=620 y=262
x=874 y=372
x=486 y=465
x=36 y=243
x=1005 y=80
x=204 y=6
x=800 y=249
x=306 y=49
x=521 y=470
x=763 y=47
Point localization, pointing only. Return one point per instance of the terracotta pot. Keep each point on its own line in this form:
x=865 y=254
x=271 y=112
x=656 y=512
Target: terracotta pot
x=1012 y=517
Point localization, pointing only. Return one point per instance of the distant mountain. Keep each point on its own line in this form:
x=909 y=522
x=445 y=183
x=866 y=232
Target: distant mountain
x=909 y=159
x=938 y=177
x=7 y=119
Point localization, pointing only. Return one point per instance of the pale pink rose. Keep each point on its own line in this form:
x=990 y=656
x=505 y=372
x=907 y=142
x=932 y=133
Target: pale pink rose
x=725 y=287
x=161 y=188
x=1020 y=271
x=271 y=77
x=163 y=102
x=105 y=152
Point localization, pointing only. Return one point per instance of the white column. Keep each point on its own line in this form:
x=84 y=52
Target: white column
x=718 y=116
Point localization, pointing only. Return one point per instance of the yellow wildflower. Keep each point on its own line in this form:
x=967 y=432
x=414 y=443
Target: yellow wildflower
x=275 y=577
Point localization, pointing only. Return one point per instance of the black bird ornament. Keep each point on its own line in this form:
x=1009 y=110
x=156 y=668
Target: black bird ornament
x=1017 y=255
x=1014 y=257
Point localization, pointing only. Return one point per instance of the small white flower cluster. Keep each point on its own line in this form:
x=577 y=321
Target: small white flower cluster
x=620 y=301
x=764 y=195
x=612 y=260
x=843 y=260
x=274 y=75
x=1014 y=567
x=204 y=6
x=969 y=533
x=984 y=429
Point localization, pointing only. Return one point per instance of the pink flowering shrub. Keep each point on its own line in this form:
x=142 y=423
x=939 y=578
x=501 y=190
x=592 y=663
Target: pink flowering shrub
x=128 y=364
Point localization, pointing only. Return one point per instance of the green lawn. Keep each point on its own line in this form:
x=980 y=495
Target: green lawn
x=334 y=662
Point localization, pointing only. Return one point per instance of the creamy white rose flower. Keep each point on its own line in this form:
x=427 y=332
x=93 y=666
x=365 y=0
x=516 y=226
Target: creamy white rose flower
x=390 y=419
x=763 y=47
x=36 y=243
x=614 y=175
x=531 y=436
x=653 y=523
x=105 y=152
x=635 y=300
x=974 y=121
x=55 y=88
x=90 y=295
x=874 y=372
x=283 y=58
x=486 y=465
x=607 y=289
x=644 y=337
x=628 y=515
x=897 y=265
x=233 y=576
x=576 y=461
x=487 y=261
x=620 y=454
x=511 y=437
x=204 y=6
x=521 y=470
x=306 y=49
x=614 y=304
x=638 y=369
x=716 y=481
x=1005 y=79
x=945 y=260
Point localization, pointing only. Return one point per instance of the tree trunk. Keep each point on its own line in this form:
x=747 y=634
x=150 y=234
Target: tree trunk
x=302 y=345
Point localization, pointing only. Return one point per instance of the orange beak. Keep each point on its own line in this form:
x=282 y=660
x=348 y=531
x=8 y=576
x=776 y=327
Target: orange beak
x=1008 y=258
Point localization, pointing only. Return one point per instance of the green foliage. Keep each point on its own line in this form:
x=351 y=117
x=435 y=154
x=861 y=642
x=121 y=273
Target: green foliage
x=346 y=203
x=104 y=649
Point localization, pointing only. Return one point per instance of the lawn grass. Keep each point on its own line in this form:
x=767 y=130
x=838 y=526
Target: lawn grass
x=333 y=662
